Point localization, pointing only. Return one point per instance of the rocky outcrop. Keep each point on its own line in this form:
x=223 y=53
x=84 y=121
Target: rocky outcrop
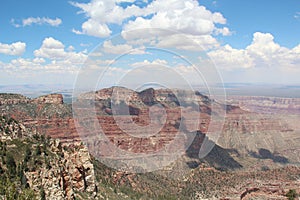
x=245 y=185
x=44 y=115
x=148 y=96
x=9 y=99
x=69 y=174
x=176 y=106
x=245 y=131
x=270 y=190
x=268 y=105
x=248 y=133
x=11 y=129
x=64 y=171
x=12 y=99
x=51 y=99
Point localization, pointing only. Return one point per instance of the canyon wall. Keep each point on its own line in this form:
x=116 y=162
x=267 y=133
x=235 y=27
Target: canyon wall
x=244 y=129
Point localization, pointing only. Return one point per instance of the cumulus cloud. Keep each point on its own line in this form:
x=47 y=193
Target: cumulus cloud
x=147 y=63
x=94 y=28
x=187 y=17
x=183 y=16
x=37 y=20
x=188 y=42
x=262 y=52
x=170 y=39
x=51 y=48
x=55 y=50
x=108 y=47
x=14 y=49
x=100 y=13
x=223 y=31
x=227 y=57
x=21 y=66
x=51 y=59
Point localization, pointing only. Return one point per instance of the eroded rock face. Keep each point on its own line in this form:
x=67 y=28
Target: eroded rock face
x=70 y=173
x=243 y=130
x=64 y=171
x=268 y=105
x=8 y=99
x=51 y=98
x=169 y=112
x=252 y=132
x=44 y=115
x=275 y=190
x=11 y=99
x=11 y=129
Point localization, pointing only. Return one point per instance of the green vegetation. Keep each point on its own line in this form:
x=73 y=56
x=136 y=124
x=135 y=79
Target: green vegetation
x=42 y=194
x=11 y=165
x=12 y=96
x=291 y=194
x=135 y=186
x=20 y=156
x=17 y=157
x=9 y=190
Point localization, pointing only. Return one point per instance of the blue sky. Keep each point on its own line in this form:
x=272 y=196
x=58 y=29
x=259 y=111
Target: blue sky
x=46 y=42
x=247 y=17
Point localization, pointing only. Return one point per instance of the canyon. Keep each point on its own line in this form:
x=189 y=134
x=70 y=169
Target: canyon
x=256 y=133
x=279 y=134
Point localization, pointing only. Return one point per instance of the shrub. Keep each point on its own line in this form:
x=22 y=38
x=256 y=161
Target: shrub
x=11 y=165
x=42 y=194
x=27 y=154
x=292 y=194
x=7 y=130
x=38 y=150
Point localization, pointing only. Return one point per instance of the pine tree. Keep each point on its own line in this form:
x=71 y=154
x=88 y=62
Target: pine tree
x=11 y=165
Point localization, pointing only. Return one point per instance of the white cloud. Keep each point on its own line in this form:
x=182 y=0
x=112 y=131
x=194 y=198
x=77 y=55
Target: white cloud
x=223 y=31
x=108 y=47
x=105 y=11
x=263 y=43
x=228 y=58
x=100 y=13
x=38 y=60
x=147 y=63
x=184 y=16
x=55 y=50
x=95 y=54
x=22 y=63
x=53 y=63
x=52 y=49
x=38 y=65
x=94 y=28
x=191 y=26
x=262 y=52
x=15 y=49
x=71 y=48
x=169 y=39
x=297 y=15
x=37 y=20
x=188 y=42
